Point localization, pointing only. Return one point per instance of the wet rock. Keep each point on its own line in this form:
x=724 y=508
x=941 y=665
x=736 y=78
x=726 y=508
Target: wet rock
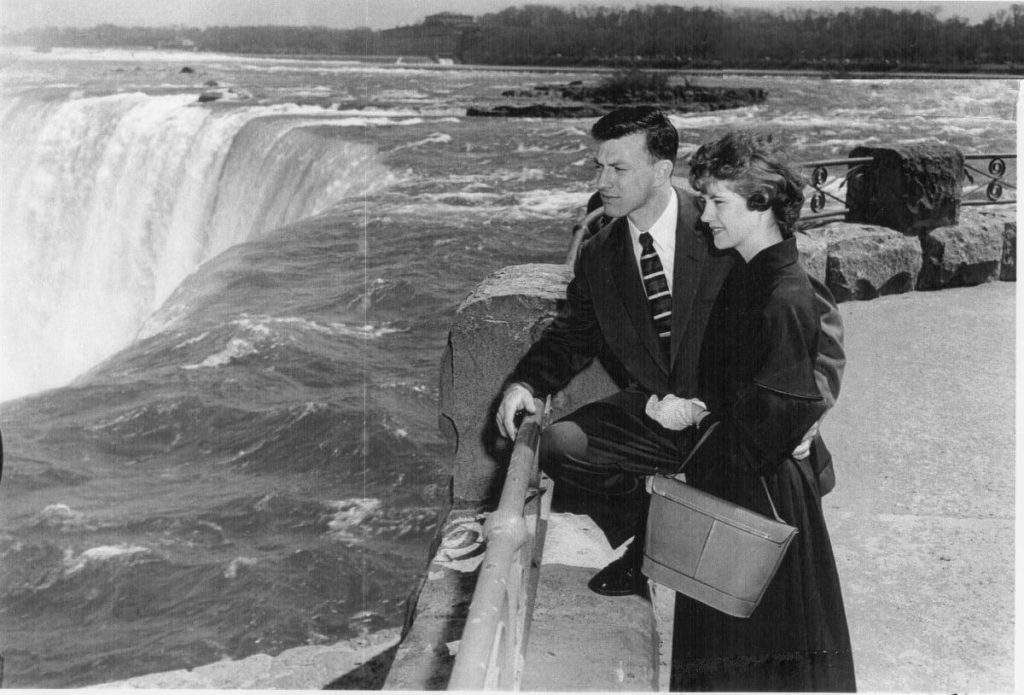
x=968 y=253
x=538 y=111
x=231 y=94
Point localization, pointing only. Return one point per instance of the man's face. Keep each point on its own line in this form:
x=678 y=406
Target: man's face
x=627 y=174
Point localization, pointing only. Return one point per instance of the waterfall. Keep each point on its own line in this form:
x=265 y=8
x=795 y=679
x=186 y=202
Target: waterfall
x=107 y=203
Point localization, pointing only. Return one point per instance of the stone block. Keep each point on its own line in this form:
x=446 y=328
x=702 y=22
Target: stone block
x=865 y=262
x=1008 y=264
x=909 y=188
x=491 y=331
x=813 y=249
x=968 y=253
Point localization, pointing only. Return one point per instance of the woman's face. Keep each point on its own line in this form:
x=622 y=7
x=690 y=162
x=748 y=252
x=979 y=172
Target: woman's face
x=726 y=212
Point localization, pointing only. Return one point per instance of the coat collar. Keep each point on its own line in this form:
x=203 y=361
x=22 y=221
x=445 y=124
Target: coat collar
x=772 y=259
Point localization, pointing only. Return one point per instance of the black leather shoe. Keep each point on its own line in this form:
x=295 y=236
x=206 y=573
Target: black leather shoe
x=620 y=578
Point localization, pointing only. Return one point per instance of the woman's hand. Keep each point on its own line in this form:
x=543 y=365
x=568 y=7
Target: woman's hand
x=675 y=413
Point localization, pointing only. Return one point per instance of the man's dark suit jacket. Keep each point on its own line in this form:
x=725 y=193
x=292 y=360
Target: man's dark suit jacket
x=608 y=314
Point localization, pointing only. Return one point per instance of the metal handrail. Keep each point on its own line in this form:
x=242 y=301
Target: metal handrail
x=493 y=641
x=579 y=233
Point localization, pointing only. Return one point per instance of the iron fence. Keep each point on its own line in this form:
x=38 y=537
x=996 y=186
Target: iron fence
x=827 y=200
x=986 y=187
x=982 y=186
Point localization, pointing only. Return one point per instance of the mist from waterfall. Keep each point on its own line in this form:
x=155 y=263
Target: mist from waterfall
x=107 y=203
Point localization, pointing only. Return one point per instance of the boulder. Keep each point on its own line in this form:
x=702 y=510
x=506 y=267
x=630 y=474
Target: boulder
x=491 y=331
x=1008 y=266
x=968 y=253
x=909 y=188
x=813 y=250
x=230 y=94
x=865 y=262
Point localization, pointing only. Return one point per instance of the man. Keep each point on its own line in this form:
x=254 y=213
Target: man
x=643 y=289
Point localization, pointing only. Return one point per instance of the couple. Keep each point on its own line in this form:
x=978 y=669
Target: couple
x=699 y=328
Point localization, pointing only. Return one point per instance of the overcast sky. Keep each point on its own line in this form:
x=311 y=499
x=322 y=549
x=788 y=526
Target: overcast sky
x=377 y=14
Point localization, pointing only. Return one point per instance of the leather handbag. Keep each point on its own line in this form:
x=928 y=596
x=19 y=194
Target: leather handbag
x=711 y=550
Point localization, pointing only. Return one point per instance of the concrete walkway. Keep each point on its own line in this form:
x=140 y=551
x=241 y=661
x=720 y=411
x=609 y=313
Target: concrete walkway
x=579 y=640
x=922 y=517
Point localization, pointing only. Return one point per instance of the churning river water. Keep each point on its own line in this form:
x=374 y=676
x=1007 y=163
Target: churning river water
x=222 y=324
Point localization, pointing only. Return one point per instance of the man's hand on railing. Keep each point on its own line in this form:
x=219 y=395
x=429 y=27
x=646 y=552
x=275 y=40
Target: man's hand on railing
x=517 y=397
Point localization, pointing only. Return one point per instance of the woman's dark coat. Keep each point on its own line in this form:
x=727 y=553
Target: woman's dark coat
x=756 y=374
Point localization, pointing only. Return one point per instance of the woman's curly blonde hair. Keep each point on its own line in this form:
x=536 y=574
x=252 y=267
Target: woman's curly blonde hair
x=757 y=169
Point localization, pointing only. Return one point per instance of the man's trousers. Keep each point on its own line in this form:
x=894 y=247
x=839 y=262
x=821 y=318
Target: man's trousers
x=598 y=456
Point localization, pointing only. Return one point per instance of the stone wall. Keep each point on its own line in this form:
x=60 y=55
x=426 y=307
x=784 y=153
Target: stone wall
x=864 y=261
x=491 y=331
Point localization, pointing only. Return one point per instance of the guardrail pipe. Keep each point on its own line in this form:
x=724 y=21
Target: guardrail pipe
x=493 y=639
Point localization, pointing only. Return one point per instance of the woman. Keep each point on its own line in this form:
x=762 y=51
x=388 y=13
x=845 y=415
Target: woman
x=757 y=382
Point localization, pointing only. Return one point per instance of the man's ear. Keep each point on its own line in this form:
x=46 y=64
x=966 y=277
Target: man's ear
x=663 y=170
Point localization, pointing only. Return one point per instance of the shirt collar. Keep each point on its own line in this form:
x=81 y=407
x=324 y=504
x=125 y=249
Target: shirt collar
x=664 y=228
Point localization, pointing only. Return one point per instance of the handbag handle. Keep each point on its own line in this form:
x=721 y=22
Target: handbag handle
x=700 y=442
x=767 y=494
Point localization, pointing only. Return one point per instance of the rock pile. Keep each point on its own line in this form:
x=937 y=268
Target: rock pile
x=860 y=261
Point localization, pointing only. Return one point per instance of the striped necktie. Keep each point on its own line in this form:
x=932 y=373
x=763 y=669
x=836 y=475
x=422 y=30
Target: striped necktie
x=658 y=294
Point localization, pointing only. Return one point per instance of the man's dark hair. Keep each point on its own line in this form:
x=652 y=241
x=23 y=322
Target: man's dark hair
x=661 y=136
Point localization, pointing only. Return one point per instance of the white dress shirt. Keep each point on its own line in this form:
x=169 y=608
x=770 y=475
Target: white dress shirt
x=663 y=231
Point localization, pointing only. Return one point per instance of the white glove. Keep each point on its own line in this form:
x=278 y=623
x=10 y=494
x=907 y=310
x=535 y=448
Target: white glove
x=675 y=413
x=803 y=449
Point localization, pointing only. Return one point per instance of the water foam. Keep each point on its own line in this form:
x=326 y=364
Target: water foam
x=62 y=517
x=348 y=514
x=236 y=349
x=104 y=553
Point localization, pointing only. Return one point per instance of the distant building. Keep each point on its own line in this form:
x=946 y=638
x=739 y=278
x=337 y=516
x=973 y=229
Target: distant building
x=439 y=36
x=449 y=19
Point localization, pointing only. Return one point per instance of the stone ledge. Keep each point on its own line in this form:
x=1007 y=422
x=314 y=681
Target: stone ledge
x=301 y=668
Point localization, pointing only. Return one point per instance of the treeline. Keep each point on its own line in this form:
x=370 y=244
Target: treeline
x=864 y=38
x=663 y=36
